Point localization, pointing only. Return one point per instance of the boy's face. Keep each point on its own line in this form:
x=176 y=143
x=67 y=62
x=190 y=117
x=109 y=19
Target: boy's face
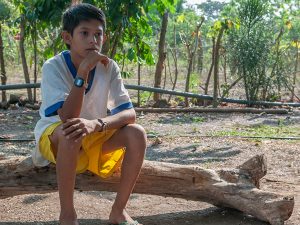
x=87 y=36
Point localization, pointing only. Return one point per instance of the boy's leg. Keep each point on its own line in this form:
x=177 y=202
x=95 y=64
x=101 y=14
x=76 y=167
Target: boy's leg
x=66 y=152
x=134 y=138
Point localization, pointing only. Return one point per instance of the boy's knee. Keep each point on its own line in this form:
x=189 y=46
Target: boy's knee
x=58 y=138
x=136 y=131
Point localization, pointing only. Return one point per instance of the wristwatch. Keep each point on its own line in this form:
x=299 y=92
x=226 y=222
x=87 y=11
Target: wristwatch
x=102 y=125
x=80 y=82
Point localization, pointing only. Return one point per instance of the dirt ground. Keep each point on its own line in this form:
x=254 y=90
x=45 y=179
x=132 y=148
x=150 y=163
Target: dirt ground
x=176 y=138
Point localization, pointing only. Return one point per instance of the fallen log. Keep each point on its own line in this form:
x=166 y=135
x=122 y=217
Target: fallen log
x=236 y=188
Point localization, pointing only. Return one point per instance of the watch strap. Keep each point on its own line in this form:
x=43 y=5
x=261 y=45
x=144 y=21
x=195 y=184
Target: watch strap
x=102 y=125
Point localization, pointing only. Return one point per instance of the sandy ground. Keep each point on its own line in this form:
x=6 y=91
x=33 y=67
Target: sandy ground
x=181 y=139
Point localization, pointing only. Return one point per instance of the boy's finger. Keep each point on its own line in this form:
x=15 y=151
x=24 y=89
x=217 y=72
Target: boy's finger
x=71 y=128
x=69 y=123
x=75 y=133
x=80 y=137
x=104 y=62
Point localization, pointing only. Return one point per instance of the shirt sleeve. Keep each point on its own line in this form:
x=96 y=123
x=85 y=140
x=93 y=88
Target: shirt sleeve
x=118 y=98
x=54 y=89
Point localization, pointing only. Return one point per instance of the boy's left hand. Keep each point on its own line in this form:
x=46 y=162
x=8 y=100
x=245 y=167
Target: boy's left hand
x=78 y=128
x=90 y=61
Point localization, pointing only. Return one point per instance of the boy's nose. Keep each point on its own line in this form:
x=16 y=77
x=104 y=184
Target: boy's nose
x=93 y=39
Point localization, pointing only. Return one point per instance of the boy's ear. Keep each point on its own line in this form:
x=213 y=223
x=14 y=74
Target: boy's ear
x=66 y=36
x=104 y=38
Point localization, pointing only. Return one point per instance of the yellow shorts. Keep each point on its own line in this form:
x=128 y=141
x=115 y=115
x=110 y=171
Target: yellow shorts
x=91 y=158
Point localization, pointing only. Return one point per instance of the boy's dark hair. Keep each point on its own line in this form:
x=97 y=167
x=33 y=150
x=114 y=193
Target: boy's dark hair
x=81 y=12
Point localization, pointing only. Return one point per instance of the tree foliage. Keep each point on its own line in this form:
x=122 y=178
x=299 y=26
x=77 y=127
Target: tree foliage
x=4 y=10
x=211 y=9
x=254 y=50
x=259 y=40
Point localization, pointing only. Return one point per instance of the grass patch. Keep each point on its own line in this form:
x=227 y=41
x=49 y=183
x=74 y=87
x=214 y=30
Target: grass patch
x=152 y=133
x=145 y=96
x=182 y=119
x=261 y=130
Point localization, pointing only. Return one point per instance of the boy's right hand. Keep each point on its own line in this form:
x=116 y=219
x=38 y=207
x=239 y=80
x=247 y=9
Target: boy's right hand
x=78 y=128
x=91 y=61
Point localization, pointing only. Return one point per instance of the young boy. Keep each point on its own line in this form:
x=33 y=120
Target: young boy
x=75 y=132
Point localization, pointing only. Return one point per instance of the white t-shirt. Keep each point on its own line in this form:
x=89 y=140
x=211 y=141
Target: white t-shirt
x=105 y=91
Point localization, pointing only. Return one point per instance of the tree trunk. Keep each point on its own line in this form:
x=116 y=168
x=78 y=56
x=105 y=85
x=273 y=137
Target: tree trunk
x=115 y=41
x=198 y=48
x=191 y=54
x=139 y=83
x=161 y=55
x=235 y=188
x=205 y=102
x=34 y=43
x=216 y=67
x=225 y=67
x=165 y=77
x=188 y=76
x=295 y=73
x=23 y=56
x=2 y=63
x=275 y=65
x=106 y=44
x=226 y=91
x=200 y=60
x=211 y=67
x=200 y=56
x=139 y=75
x=174 y=55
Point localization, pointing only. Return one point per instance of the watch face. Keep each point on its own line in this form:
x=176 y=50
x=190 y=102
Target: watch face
x=78 y=82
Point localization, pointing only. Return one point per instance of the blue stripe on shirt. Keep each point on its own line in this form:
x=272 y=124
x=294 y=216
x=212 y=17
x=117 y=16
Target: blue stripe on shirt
x=52 y=110
x=73 y=70
x=127 y=105
x=69 y=63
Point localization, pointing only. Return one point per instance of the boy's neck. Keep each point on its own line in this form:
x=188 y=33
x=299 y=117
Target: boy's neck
x=76 y=60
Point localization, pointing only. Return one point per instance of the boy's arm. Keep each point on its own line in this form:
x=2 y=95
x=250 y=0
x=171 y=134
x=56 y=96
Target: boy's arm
x=118 y=120
x=73 y=103
x=78 y=127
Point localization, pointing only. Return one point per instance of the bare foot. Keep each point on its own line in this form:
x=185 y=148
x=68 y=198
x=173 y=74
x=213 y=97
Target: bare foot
x=68 y=219
x=73 y=222
x=118 y=216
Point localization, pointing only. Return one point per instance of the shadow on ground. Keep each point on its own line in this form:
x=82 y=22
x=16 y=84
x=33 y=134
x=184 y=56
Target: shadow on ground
x=190 y=155
x=210 y=216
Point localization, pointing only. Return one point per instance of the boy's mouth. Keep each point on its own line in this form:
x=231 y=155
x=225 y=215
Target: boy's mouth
x=92 y=49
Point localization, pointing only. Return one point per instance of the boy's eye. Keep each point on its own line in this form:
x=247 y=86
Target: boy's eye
x=98 y=34
x=84 y=33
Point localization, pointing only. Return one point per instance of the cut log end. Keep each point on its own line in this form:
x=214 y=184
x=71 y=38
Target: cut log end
x=256 y=167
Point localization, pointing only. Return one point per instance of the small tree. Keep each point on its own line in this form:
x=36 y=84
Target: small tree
x=36 y=16
x=163 y=7
x=4 y=14
x=294 y=36
x=220 y=30
x=259 y=48
x=250 y=45
x=191 y=44
x=161 y=55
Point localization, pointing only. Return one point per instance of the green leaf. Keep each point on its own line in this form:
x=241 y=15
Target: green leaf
x=217 y=25
x=126 y=74
x=131 y=54
x=180 y=18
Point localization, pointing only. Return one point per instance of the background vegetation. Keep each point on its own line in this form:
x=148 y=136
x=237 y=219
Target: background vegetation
x=245 y=49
